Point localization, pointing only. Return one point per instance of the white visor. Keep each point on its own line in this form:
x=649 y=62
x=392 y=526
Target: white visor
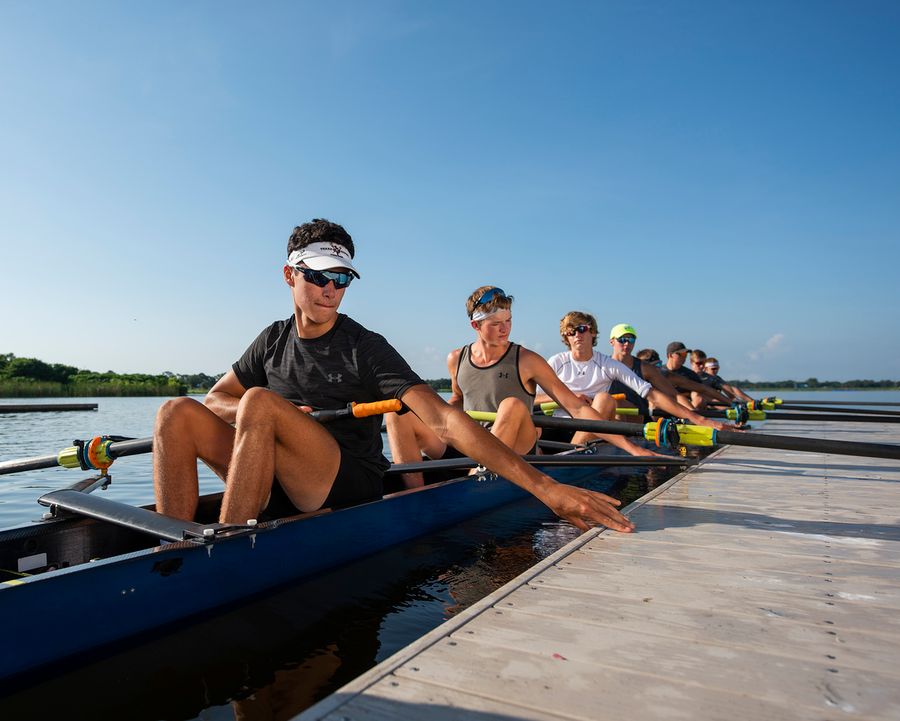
x=323 y=256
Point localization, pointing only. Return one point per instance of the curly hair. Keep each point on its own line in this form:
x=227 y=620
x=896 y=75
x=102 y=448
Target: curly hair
x=574 y=318
x=319 y=230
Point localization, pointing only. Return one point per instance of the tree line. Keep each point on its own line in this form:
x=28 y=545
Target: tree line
x=28 y=377
x=31 y=377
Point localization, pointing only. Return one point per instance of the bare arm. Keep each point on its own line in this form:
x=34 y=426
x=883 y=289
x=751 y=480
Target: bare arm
x=661 y=400
x=224 y=396
x=580 y=507
x=657 y=380
x=686 y=384
x=456 y=396
x=540 y=372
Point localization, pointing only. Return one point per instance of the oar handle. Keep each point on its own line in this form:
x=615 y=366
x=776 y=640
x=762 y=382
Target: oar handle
x=359 y=410
x=378 y=408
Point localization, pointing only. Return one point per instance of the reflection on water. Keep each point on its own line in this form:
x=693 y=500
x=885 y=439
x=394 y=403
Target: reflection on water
x=275 y=656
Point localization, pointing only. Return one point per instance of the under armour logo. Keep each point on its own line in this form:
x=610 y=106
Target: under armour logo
x=335 y=377
x=501 y=374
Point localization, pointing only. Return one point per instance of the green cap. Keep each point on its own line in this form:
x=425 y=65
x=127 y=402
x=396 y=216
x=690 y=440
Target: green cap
x=622 y=329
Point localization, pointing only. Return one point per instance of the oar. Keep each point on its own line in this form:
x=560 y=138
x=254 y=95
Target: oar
x=834 y=409
x=669 y=434
x=101 y=451
x=753 y=415
x=780 y=402
x=547 y=460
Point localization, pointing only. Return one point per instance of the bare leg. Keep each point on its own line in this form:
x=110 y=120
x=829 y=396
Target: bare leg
x=275 y=438
x=185 y=430
x=514 y=426
x=605 y=405
x=409 y=438
x=698 y=400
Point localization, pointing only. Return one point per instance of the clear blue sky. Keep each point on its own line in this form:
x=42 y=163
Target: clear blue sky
x=726 y=174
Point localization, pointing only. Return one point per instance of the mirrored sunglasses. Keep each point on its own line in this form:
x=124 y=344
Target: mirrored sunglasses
x=623 y=339
x=490 y=294
x=321 y=278
x=578 y=329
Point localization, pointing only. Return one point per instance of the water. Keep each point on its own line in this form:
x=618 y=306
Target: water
x=276 y=655
x=26 y=435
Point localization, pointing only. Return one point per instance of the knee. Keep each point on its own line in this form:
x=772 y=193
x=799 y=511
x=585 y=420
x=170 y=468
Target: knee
x=604 y=404
x=176 y=412
x=256 y=404
x=513 y=408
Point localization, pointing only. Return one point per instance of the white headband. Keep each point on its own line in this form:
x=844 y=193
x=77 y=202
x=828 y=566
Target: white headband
x=481 y=315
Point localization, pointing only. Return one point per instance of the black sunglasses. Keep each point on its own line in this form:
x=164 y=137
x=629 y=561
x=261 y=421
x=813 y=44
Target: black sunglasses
x=623 y=339
x=341 y=279
x=578 y=329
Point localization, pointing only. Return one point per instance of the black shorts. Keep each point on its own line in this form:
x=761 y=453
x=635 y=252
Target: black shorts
x=354 y=483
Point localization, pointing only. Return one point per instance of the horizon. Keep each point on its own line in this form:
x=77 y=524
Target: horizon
x=725 y=175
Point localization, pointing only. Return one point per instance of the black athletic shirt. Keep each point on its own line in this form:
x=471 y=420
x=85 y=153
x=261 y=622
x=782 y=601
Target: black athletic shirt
x=685 y=372
x=348 y=363
x=713 y=381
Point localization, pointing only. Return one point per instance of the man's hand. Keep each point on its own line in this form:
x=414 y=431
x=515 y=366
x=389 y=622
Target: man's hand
x=584 y=509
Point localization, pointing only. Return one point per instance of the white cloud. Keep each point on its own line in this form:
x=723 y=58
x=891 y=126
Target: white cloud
x=768 y=348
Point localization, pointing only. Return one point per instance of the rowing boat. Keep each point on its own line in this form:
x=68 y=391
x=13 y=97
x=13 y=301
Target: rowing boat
x=100 y=563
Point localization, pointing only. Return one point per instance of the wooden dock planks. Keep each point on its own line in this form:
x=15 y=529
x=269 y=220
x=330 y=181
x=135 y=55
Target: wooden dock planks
x=760 y=585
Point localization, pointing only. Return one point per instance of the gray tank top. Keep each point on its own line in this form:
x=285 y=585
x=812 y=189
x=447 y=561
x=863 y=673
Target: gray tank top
x=484 y=388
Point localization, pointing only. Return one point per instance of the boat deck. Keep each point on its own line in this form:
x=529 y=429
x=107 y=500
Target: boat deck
x=761 y=584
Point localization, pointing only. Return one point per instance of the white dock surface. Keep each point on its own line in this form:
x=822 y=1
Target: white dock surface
x=759 y=585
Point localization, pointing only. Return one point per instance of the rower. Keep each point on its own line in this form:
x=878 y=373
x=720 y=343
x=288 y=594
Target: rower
x=591 y=374
x=713 y=380
x=253 y=428
x=496 y=375
x=711 y=370
x=692 y=391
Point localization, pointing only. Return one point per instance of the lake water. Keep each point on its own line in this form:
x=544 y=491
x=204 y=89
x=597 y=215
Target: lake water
x=273 y=657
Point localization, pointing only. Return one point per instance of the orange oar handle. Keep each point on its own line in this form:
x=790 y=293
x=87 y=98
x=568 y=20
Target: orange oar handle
x=362 y=410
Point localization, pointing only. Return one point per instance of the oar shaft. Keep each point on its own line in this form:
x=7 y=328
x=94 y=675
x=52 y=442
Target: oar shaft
x=547 y=460
x=843 y=403
x=838 y=409
x=789 y=416
x=809 y=445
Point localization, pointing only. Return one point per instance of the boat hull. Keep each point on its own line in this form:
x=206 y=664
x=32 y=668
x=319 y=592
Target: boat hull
x=56 y=614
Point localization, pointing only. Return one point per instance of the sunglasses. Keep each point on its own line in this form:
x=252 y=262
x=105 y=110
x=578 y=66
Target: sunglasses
x=712 y=368
x=626 y=339
x=341 y=279
x=578 y=329
x=489 y=295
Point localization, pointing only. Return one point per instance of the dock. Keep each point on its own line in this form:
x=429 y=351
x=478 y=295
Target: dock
x=760 y=584
x=45 y=407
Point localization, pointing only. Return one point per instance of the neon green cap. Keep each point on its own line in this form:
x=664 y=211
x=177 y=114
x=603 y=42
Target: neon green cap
x=622 y=329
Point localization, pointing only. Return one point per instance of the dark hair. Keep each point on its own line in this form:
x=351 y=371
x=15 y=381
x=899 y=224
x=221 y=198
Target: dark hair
x=319 y=231
x=648 y=355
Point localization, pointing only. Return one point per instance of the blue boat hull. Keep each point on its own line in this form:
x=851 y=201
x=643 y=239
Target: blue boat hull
x=57 y=614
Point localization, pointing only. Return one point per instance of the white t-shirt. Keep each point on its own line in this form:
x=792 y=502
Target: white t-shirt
x=595 y=375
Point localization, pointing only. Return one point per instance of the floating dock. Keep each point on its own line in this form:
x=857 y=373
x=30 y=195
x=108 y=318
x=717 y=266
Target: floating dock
x=45 y=407
x=760 y=584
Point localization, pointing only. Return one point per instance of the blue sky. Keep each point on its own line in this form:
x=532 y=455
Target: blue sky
x=725 y=174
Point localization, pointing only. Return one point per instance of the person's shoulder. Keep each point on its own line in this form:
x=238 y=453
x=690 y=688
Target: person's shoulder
x=558 y=358
x=272 y=332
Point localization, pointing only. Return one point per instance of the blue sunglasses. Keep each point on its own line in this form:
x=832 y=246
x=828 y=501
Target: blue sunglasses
x=321 y=278
x=489 y=295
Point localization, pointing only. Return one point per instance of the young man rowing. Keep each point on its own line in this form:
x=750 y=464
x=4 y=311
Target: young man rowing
x=496 y=375
x=690 y=386
x=590 y=374
x=319 y=358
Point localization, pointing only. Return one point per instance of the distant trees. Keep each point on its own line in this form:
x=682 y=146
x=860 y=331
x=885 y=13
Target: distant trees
x=22 y=377
x=816 y=384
